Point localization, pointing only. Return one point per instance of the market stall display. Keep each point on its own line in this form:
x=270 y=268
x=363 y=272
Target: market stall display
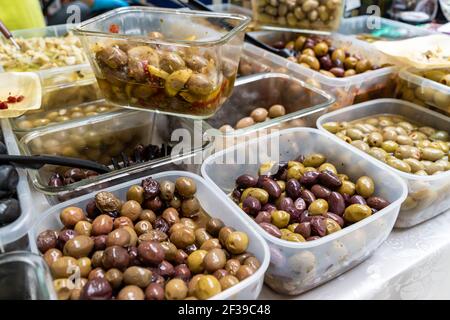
x=415 y=147
x=142 y=248
x=298 y=267
x=187 y=70
x=429 y=88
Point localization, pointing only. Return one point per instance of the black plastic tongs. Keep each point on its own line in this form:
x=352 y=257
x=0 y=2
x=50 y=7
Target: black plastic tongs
x=197 y=5
x=38 y=161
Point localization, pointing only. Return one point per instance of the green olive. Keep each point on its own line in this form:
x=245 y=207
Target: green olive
x=350 y=62
x=365 y=186
x=357 y=212
x=310 y=61
x=237 y=242
x=404 y=140
x=363 y=66
x=355 y=134
x=293 y=237
x=361 y=145
x=257 y=193
x=375 y=139
x=431 y=154
x=378 y=153
x=415 y=164
x=280 y=218
x=349 y=72
x=332 y=226
x=389 y=146
x=404 y=152
x=338 y=54
x=292 y=227
x=228 y=281
x=318 y=207
x=390 y=135
x=347 y=187
x=299 y=43
x=195 y=261
x=327 y=166
x=266 y=167
x=295 y=172
x=207 y=286
x=176 y=289
x=200 y=84
x=332 y=127
x=321 y=49
x=398 y=164
x=439 y=135
x=314 y=160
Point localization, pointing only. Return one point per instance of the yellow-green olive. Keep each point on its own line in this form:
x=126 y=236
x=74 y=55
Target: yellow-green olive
x=327 y=166
x=431 y=154
x=195 y=261
x=314 y=160
x=295 y=172
x=293 y=237
x=361 y=145
x=404 y=152
x=280 y=218
x=398 y=164
x=357 y=212
x=207 y=286
x=375 y=139
x=318 y=207
x=237 y=242
x=347 y=187
x=365 y=186
x=332 y=226
x=389 y=146
x=378 y=153
x=257 y=193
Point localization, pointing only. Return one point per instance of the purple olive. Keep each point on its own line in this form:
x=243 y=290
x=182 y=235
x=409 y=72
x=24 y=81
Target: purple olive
x=100 y=242
x=269 y=207
x=251 y=205
x=304 y=228
x=263 y=216
x=336 y=218
x=161 y=224
x=64 y=236
x=305 y=217
x=309 y=178
x=338 y=72
x=300 y=204
x=246 y=181
x=91 y=210
x=236 y=195
x=325 y=62
x=96 y=289
x=308 y=196
x=75 y=173
x=336 y=203
x=329 y=179
x=285 y=203
x=271 y=229
x=56 y=180
x=313 y=238
x=377 y=203
x=182 y=272
x=46 y=240
x=151 y=188
x=166 y=269
x=282 y=171
x=320 y=191
x=270 y=185
x=154 y=204
x=295 y=214
x=318 y=226
x=293 y=188
x=357 y=199
x=338 y=64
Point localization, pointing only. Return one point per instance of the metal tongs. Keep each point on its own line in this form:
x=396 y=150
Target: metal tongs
x=8 y=35
x=197 y=5
x=38 y=161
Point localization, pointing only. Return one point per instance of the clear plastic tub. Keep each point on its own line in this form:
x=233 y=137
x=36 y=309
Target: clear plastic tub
x=373 y=28
x=106 y=136
x=369 y=85
x=231 y=8
x=177 y=62
x=50 y=31
x=25 y=276
x=303 y=104
x=323 y=15
x=414 y=87
x=11 y=235
x=428 y=196
x=214 y=204
x=298 y=267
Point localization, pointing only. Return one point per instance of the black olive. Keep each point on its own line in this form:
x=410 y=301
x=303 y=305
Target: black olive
x=9 y=210
x=3 y=148
x=8 y=178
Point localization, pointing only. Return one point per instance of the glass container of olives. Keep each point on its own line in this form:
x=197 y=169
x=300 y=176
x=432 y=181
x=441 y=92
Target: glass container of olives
x=103 y=138
x=268 y=101
x=299 y=266
x=170 y=61
x=411 y=141
x=158 y=253
x=350 y=69
x=430 y=88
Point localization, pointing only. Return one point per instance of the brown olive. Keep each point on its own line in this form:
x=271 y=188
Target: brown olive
x=167 y=190
x=96 y=289
x=244 y=123
x=131 y=209
x=209 y=244
x=97 y=258
x=97 y=273
x=213 y=226
x=137 y=276
x=78 y=247
x=107 y=202
x=232 y=266
x=142 y=227
x=103 y=224
x=201 y=235
x=215 y=259
x=51 y=255
x=147 y=215
x=71 y=215
x=182 y=237
x=228 y=281
x=171 y=216
x=190 y=207
x=123 y=221
x=276 y=111
x=114 y=277
x=244 y=272
x=131 y=293
x=151 y=252
x=63 y=267
x=253 y=262
x=136 y=193
x=259 y=114
x=115 y=257
x=47 y=240
x=83 y=228
x=118 y=237
x=224 y=233
x=185 y=187
x=154 y=292
x=176 y=289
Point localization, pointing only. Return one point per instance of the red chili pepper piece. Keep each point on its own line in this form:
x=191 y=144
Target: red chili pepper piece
x=3 y=105
x=114 y=28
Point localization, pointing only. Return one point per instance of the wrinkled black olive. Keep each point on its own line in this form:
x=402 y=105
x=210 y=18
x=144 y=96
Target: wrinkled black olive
x=9 y=210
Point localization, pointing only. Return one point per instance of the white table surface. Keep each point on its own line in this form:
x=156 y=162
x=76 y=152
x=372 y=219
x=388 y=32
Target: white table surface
x=412 y=263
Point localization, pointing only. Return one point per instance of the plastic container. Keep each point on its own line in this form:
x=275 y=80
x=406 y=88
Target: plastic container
x=25 y=276
x=414 y=87
x=369 y=85
x=303 y=104
x=373 y=28
x=106 y=136
x=298 y=267
x=161 y=80
x=211 y=200
x=298 y=15
x=11 y=235
x=50 y=31
x=231 y=8
x=427 y=195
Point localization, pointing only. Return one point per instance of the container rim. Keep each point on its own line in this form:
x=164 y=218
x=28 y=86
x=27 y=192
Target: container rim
x=293 y=115
x=330 y=237
x=82 y=29
x=409 y=75
x=106 y=177
x=418 y=109
x=224 y=294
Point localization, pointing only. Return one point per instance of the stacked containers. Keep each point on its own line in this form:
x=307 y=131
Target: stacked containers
x=427 y=195
x=211 y=201
x=298 y=267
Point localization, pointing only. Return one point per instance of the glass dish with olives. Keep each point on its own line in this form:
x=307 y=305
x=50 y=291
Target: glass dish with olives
x=406 y=138
x=161 y=237
x=175 y=62
x=297 y=266
x=430 y=88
